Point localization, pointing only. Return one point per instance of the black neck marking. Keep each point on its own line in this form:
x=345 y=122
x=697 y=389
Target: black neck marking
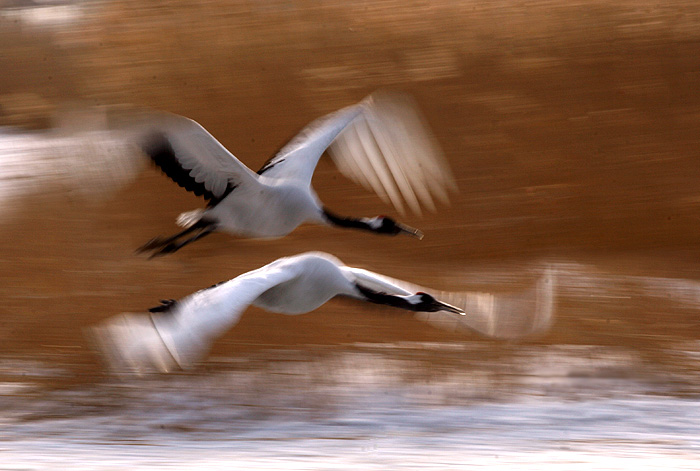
x=350 y=222
x=158 y=148
x=378 y=297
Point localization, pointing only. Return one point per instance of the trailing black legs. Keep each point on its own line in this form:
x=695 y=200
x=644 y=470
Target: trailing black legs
x=159 y=246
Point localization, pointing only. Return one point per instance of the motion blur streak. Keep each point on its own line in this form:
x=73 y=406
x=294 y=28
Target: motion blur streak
x=572 y=131
x=85 y=165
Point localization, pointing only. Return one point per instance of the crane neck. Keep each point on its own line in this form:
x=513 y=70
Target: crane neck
x=377 y=297
x=367 y=224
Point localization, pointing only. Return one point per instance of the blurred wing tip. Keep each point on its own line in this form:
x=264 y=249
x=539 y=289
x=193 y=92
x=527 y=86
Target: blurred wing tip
x=130 y=345
x=451 y=183
x=545 y=302
x=103 y=342
x=416 y=209
x=507 y=316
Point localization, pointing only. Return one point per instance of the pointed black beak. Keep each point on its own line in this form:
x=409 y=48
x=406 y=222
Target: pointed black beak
x=412 y=231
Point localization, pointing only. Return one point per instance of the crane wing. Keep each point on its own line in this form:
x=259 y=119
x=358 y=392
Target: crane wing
x=182 y=334
x=297 y=159
x=382 y=143
x=192 y=157
x=507 y=315
x=91 y=153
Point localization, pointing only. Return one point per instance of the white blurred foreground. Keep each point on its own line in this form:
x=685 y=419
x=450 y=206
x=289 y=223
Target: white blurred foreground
x=445 y=406
x=84 y=165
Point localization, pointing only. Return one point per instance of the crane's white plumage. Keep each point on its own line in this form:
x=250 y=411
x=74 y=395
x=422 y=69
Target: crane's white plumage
x=182 y=334
x=197 y=151
x=381 y=143
x=390 y=151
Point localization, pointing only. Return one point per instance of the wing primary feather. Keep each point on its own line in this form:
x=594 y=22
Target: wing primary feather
x=371 y=156
x=177 y=334
x=410 y=132
x=389 y=153
x=362 y=147
x=414 y=172
x=339 y=152
x=408 y=143
x=506 y=315
x=158 y=147
x=380 y=143
x=437 y=165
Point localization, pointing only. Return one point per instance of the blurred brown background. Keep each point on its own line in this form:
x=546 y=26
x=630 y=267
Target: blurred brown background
x=572 y=128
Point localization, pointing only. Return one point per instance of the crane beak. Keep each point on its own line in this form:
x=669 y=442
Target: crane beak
x=450 y=308
x=412 y=231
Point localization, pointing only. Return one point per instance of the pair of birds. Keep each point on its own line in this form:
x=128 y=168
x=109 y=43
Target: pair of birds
x=381 y=143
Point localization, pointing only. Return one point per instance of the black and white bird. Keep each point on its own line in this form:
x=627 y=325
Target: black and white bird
x=177 y=334
x=381 y=143
x=90 y=154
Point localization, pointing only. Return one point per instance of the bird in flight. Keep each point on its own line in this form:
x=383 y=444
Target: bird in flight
x=381 y=142
x=178 y=333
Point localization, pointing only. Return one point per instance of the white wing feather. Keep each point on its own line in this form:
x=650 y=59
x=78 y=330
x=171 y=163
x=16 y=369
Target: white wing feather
x=298 y=158
x=381 y=143
x=508 y=315
x=142 y=343
x=100 y=152
x=207 y=160
x=402 y=153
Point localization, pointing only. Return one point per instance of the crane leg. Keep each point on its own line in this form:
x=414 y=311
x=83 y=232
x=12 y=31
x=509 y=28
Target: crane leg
x=164 y=245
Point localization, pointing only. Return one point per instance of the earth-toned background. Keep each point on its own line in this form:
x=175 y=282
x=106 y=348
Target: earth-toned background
x=571 y=127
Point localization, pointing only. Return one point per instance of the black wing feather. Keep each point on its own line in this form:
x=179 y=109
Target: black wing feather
x=166 y=305
x=161 y=152
x=275 y=159
x=269 y=164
